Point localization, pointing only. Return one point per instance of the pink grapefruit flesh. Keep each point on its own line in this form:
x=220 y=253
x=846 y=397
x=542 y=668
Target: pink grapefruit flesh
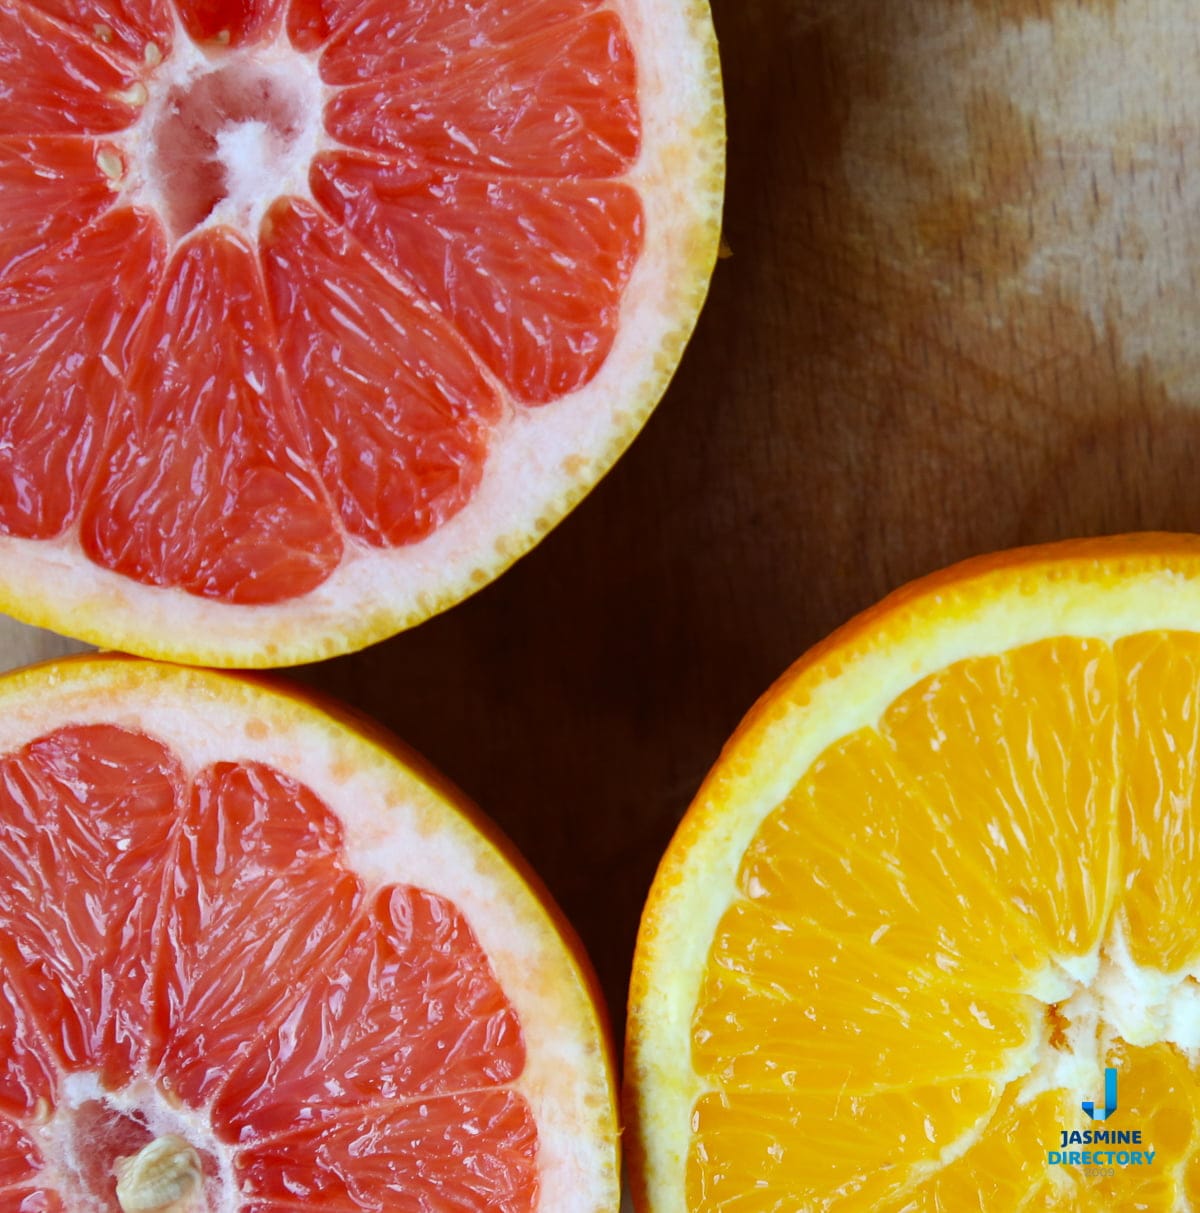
x=238 y=933
x=313 y=316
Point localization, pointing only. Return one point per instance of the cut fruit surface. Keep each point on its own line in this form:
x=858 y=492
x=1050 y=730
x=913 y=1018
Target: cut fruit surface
x=315 y=315
x=940 y=882
x=253 y=957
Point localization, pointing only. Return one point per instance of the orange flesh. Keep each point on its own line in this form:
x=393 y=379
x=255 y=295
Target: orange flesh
x=869 y=1025
x=227 y=413
x=203 y=938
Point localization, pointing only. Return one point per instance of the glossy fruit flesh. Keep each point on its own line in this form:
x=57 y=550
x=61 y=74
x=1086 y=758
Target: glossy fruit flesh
x=940 y=881
x=189 y=953
x=949 y=928
x=271 y=275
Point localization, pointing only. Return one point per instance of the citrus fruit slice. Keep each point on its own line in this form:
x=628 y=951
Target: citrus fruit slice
x=253 y=959
x=316 y=314
x=940 y=883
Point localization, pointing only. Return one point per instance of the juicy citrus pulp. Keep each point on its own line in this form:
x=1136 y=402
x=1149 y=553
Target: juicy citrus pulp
x=315 y=314
x=942 y=879
x=251 y=957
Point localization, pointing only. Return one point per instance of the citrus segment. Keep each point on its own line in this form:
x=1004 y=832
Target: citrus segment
x=52 y=187
x=993 y=1168
x=97 y=803
x=530 y=272
x=752 y=1033
x=321 y=984
x=1158 y=1096
x=311 y=23
x=76 y=87
x=385 y=39
x=137 y=30
x=799 y=1149
x=68 y=321
x=556 y=104
x=207 y=486
x=254 y=846
x=855 y=845
x=1016 y=756
x=938 y=887
x=227 y=23
x=28 y=1071
x=393 y=409
x=517 y=204
x=1160 y=826
x=470 y=1152
x=408 y=1010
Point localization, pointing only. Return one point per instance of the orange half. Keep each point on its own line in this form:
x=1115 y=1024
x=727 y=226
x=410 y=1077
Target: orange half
x=940 y=883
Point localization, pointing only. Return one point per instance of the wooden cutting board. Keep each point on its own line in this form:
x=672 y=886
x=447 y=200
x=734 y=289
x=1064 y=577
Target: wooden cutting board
x=960 y=314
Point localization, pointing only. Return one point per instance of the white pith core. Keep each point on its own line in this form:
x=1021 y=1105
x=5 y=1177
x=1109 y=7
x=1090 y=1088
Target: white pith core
x=260 y=158
x=1102 y=999
x=70 y=1145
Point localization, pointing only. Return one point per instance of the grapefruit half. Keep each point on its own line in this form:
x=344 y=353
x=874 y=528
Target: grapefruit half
x=316 y=314
x=939 y=886
x=253 y=958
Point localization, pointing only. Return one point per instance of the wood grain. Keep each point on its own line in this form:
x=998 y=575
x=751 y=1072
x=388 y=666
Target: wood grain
x=960 y=314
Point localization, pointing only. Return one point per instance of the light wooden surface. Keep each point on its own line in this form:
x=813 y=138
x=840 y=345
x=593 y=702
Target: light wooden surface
x=961 y=314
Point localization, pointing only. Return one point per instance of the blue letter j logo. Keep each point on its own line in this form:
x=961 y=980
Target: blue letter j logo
x=1110 y=1098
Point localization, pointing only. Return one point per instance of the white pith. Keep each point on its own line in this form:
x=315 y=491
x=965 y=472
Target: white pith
x=1112 y=998
x=258 y=168
x=541 y=460
x=1103 y=995
x=400 y=827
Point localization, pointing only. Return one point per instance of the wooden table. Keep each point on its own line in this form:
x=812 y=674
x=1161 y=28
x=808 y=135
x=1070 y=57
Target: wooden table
x=960 y=314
